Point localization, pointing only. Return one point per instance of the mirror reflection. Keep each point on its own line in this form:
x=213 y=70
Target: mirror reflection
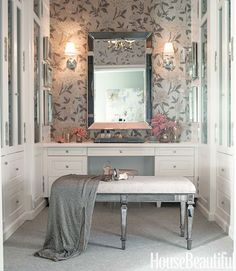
x=119 y=94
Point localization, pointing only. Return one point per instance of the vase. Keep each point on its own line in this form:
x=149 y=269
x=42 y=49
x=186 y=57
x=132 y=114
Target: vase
x=165 y=136
x=177 y=132
x=79 y=139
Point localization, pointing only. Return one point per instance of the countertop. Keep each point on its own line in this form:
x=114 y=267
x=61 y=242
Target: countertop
x=102 y=145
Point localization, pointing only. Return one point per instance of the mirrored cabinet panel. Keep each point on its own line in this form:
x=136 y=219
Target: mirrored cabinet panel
x=19 y=76
x=14 y=126
x=204 y=91
x=37 y=7
x=224 y=77
x=36 y=82
x=221 y=93
x=203 y=7
x=10 y=73
x=229 y=100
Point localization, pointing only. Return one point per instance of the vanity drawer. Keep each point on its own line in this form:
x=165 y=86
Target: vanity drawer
x=59 y=166
x=15 y=167
x=121 y=151
x=225 y=166
x=178 y=165
x=14 y=203
x=13 y=186
x=223 y=186
x=223 y=202
x=67 y=151
x=174 y=151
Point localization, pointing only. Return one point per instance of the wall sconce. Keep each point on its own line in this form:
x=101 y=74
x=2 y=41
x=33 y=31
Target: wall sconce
x=168 y=56
x=71 y=52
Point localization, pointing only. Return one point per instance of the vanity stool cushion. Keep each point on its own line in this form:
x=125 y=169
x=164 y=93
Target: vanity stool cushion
x=148 y=185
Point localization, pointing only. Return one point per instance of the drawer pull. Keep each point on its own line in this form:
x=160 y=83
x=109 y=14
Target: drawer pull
x=174 y=151
x=17 y=202
x=6 y=163
x=222 y=202
x=17 y=169
x=174 y=166
x=222 y=169
x=67 y=151
x=67 y=166
x=121 y=151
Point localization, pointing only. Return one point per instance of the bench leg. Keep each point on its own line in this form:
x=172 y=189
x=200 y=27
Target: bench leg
x=182 y=217
x=190 y=213
x=123 y=209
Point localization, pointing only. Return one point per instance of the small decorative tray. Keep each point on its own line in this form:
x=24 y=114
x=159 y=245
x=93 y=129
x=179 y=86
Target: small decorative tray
x=130 y=139
x=129 y=172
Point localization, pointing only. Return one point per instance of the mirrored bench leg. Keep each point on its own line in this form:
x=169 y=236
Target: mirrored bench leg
x=190 y=213
x=182 y=217
x=123 y=210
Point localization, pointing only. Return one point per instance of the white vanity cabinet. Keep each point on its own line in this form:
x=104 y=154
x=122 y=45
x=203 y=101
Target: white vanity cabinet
x=63 y=161
x=79 y=158
x=13 y=190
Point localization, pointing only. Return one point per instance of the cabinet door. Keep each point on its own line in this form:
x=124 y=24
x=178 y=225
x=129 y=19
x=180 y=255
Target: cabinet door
x=224 y=76
x=15 y=71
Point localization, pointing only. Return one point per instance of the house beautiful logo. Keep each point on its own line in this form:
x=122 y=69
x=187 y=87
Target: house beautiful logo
x=218 y=261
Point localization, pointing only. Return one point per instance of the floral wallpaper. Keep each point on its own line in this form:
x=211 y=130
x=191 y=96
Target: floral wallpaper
x=168 y=20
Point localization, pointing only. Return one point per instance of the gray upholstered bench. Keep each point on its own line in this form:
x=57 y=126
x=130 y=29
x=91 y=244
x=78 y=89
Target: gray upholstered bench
x=151 y=189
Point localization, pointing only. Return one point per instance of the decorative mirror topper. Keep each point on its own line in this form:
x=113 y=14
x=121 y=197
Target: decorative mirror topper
x=119 y=80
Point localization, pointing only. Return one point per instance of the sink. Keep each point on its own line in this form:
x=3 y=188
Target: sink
x=130 y=139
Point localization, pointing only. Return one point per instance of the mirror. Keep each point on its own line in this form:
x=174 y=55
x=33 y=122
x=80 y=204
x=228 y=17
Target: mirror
x=119 y=80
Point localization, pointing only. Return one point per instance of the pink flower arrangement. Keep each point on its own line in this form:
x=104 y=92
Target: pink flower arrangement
x=160 y=122
x=80 y=132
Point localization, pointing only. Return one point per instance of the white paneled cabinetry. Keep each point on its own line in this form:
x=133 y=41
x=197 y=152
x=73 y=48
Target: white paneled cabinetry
x=224 y=120
x=21 y=158
x=216 y=151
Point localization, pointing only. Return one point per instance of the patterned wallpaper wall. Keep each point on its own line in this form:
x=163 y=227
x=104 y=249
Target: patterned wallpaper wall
x=168 y=20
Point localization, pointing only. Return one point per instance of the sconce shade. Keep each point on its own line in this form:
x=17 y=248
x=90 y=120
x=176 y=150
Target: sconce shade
x=70 y=49
x=168 y=48
x=168 y=56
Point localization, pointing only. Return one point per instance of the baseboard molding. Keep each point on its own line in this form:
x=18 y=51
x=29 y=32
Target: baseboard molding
x=222 y=223
x=13 y=227
x=205 y=212
x=21 y=219
x=30 y=215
